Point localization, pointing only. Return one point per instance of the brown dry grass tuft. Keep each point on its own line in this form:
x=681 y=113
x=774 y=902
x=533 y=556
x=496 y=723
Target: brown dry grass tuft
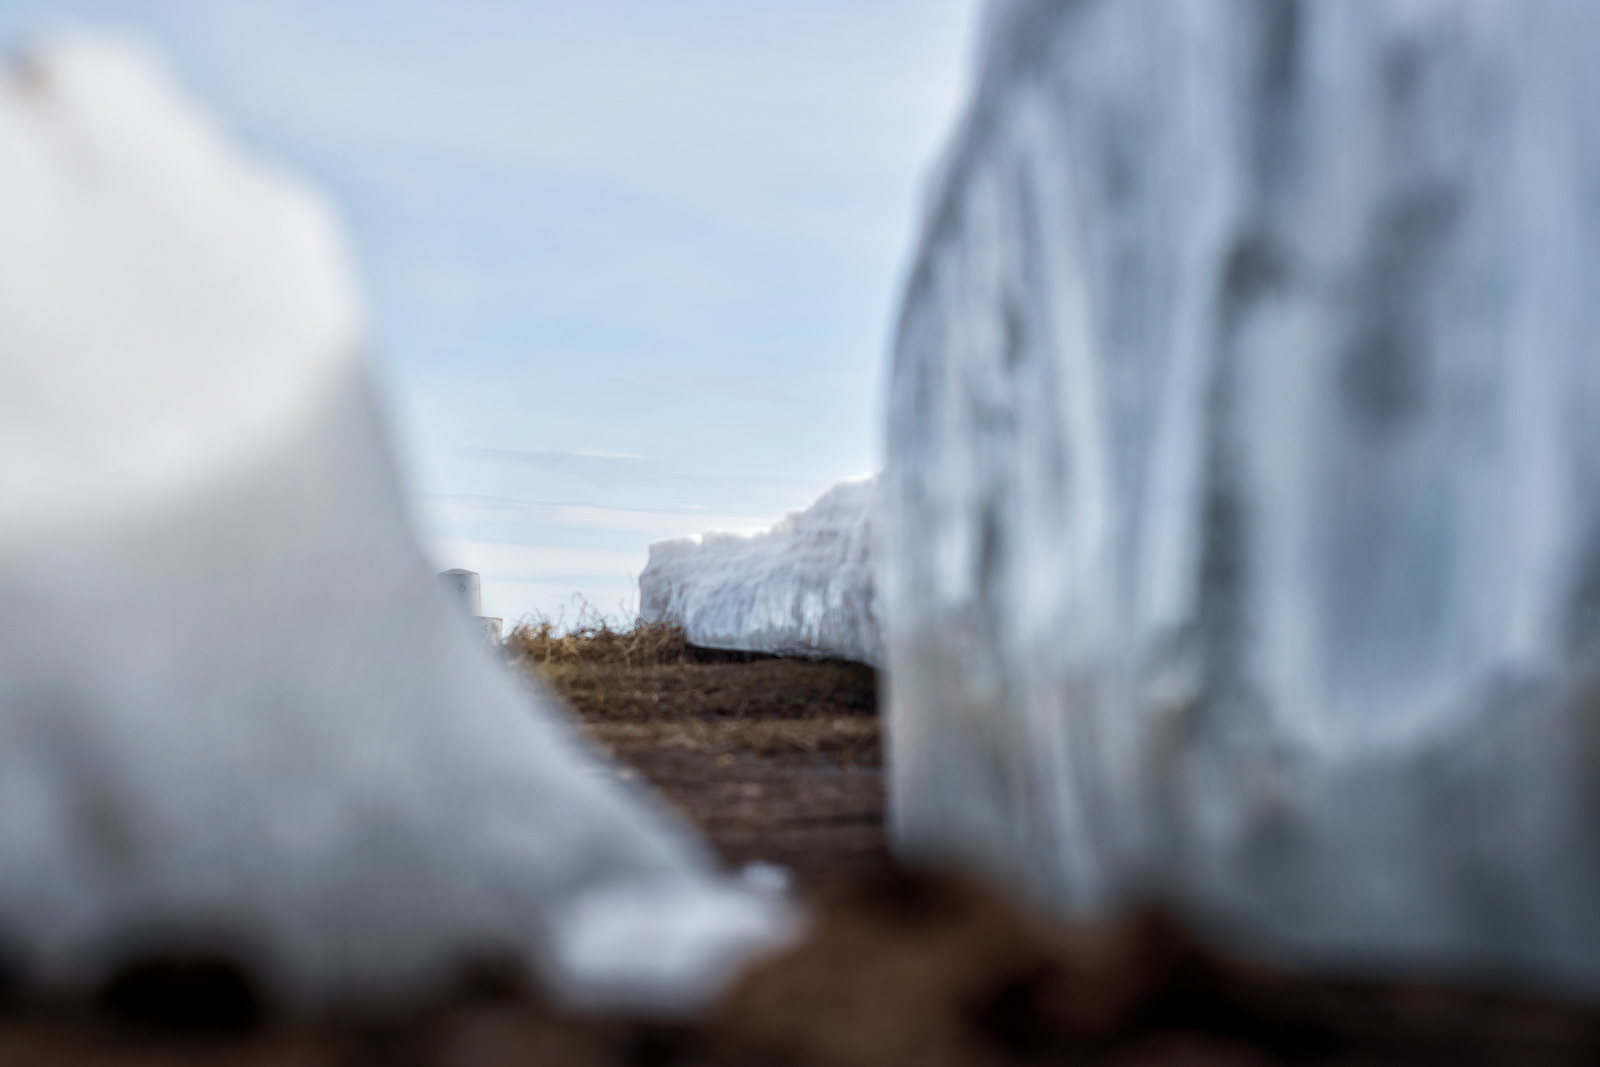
x=643 y=686
x=594 y=640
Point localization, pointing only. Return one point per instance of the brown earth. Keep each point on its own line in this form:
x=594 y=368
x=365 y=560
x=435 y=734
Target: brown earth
x=780 y=760
x=775 y=760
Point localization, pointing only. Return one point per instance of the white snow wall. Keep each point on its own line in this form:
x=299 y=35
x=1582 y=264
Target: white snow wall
x=804 y=587
x=236 y=709
x=1243 y=493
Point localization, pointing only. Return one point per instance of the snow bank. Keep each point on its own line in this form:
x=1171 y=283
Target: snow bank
x=1242 y=512
x=804 y=587
x=236 y=708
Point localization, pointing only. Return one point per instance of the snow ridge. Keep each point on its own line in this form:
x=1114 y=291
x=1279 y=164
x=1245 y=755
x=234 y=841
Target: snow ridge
x=805 y=586
x=1242 y=507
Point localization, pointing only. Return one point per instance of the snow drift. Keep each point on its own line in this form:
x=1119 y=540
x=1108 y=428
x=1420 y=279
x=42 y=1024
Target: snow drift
x=236 y=709
x=1243 y=500
x=804 y=587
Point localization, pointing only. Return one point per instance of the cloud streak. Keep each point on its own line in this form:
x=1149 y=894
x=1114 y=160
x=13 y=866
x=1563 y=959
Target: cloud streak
x=734 y=386
x=450 y=512
x=606 y=469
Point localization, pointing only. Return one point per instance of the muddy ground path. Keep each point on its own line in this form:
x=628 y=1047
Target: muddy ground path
x=774 y=761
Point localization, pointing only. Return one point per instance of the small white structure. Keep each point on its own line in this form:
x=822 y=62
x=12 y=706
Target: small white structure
x=1243 y=493
x=803 y=587
x=465 y=589
x=276 y=734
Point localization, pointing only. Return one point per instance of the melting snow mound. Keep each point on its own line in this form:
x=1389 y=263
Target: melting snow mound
x=1242 y=508
x=236 y=711
x=804 y=587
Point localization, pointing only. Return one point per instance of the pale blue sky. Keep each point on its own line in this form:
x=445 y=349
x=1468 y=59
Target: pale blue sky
x=631 y=265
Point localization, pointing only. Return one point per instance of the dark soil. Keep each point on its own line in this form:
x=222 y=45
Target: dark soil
x=775 y=760
x=779 y=760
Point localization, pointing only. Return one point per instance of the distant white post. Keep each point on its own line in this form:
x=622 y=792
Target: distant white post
x=466 y=590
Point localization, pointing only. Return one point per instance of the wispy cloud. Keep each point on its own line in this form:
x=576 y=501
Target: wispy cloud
x=448 y=513
x=501 y=561
x=737 y=386
x=607 y=469
x=625 y=469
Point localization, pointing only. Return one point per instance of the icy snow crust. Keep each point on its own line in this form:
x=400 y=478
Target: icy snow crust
x=1242 y=512
x=236 y=710
x=804 y=587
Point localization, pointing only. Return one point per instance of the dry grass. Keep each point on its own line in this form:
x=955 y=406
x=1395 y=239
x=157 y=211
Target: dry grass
x=594 y=640
x=644 y=686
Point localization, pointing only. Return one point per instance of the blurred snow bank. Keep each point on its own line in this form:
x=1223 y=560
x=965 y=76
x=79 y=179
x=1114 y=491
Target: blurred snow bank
x=805 y=587
x=1242 y=511
x=276 y=737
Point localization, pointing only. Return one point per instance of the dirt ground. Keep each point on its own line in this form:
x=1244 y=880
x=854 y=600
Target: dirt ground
x=775 y=760
x=780 y=761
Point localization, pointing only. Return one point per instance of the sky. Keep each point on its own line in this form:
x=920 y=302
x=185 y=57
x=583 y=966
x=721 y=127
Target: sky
x=631 y=266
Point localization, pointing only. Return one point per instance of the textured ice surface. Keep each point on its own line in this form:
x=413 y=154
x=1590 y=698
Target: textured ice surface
x=1243 y=499
x=804 y=587
x=235 y=704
